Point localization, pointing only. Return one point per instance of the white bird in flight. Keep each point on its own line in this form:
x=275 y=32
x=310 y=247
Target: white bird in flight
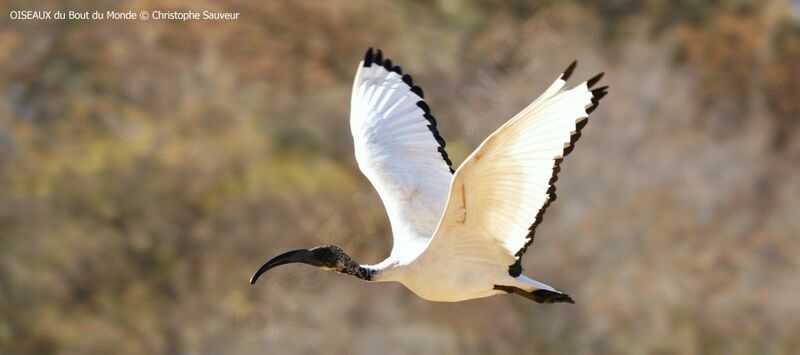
x=460 y=234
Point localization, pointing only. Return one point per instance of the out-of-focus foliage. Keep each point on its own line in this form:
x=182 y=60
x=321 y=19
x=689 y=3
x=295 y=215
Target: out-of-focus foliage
x=147 y=168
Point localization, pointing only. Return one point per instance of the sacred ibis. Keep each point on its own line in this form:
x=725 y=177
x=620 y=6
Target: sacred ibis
x=457 y=235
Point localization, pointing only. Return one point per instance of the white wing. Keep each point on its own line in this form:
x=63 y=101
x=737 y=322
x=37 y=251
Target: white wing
x=500 y=192
x=400 y=151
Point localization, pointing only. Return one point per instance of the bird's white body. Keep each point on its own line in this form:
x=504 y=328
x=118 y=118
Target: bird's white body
x=432 y=280
x=456 y=235
x=440 y=284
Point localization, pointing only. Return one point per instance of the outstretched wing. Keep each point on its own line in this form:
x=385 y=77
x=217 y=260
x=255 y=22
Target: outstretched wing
x=400 y=151
x=499 y=194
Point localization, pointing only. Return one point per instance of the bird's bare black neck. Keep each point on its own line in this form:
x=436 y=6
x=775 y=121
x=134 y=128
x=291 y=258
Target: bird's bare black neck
x=346 y=265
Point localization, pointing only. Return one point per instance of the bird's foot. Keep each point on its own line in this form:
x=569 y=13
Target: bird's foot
x=545 y=296
x=540 y=296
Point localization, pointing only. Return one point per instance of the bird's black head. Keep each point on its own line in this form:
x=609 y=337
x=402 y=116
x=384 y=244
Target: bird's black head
x=328 y=257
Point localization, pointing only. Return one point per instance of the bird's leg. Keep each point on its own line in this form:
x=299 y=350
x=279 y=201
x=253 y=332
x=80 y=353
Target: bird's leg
x=545 y=296
x=540 y=296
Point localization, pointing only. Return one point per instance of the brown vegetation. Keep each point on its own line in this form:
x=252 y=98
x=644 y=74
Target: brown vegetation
x=148 y=168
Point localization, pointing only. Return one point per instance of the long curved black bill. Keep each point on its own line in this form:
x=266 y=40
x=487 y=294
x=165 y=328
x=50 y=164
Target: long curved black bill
x=294 y=256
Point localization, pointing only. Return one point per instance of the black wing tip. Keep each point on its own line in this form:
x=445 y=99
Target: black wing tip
x=445 y=156
x=430 y=118
x=424 y=106
x=515 y=269
x=594 y=80
x=417 y=90
x=369 y=57
x=597 y=95
x=435 y=131
x=376 y=56
x=568 y=72
x=600 y=92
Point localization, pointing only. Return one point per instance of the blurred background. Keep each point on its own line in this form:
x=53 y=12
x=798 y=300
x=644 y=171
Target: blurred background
x=148 y=168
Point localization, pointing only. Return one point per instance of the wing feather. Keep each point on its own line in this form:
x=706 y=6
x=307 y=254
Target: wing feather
x=399 y=149
x=499 y=194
